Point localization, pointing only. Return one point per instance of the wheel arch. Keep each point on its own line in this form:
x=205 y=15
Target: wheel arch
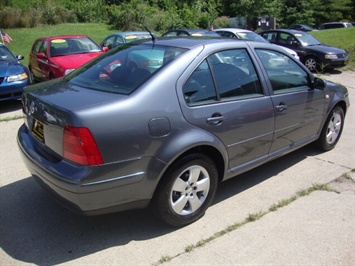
x=210 y=149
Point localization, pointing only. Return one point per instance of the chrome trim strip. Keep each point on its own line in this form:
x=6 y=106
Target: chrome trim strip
x=112 y=179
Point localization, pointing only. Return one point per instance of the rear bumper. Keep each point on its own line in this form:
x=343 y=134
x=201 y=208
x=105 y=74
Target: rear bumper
x=91 y=190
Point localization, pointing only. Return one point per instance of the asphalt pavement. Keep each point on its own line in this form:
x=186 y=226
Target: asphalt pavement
x=238 y=229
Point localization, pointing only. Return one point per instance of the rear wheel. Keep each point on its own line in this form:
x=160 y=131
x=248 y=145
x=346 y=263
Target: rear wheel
x=186 y=190
x=332 y=129
x=311 y=63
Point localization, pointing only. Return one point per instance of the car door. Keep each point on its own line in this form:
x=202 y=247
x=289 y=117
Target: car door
x=34 y=67
x=299 y=109
x=44 y=63
x=39 y=60
x=224 y=96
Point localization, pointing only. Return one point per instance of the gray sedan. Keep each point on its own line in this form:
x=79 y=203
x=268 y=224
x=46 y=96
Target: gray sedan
x=161 y=123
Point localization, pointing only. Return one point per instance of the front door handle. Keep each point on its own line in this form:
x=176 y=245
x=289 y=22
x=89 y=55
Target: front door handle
x=281 y=107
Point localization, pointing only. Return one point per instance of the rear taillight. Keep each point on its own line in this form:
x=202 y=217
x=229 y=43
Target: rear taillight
x=80 y=147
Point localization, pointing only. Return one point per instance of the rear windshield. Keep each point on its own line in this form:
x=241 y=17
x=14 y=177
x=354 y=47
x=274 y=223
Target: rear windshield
x=124 y=69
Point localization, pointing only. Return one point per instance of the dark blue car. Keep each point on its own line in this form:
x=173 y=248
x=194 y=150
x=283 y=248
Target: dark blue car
x=13 y=75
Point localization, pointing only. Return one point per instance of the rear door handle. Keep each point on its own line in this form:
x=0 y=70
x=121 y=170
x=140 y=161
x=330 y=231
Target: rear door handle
x=215 y=119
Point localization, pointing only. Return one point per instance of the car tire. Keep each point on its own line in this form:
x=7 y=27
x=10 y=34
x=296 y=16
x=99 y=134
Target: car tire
x=311 y=63
x=186 y=190
x=332 y=129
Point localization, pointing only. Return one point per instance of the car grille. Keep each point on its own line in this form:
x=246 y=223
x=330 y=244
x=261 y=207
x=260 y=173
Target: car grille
x=1 y=79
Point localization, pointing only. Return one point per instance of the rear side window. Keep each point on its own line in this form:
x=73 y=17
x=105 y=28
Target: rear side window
x=124 y=70
x=223 y=76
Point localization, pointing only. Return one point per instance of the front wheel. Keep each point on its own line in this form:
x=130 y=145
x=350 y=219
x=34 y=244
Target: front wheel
x=311 y=63
x=186 y=190
x=332 y=129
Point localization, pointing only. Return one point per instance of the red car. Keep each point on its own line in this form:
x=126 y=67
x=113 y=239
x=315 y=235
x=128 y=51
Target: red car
x=56 y=56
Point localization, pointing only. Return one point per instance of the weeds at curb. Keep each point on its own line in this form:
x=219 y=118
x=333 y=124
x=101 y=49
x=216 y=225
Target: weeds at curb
x=7 y=119
x=346 y=176
x=253 y=217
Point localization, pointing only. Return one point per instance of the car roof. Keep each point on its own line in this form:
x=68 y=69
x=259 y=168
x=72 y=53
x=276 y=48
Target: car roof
x=189 y=30
x=126 y=33
x=233 y=30
x=194 y=30
x=286 y=30
x=335 y=22
x=63 y=37
x=190 y=42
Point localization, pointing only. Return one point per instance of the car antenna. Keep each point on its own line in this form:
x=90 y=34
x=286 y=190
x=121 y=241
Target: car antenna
x=153 y=37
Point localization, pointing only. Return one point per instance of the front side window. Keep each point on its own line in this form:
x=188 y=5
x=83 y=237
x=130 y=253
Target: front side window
x=284 y=74
x=43 y=48
x=223 y=76
x=109 y=42
x=36 y=47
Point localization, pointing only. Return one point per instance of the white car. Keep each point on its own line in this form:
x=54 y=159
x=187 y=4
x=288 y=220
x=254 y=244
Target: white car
x=243 y=34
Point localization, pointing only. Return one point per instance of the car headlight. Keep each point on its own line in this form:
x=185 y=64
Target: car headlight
x=17 y=77
x=68 y=71
x=331 y=56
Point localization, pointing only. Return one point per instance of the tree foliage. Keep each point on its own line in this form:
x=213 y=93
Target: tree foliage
x=160 y=15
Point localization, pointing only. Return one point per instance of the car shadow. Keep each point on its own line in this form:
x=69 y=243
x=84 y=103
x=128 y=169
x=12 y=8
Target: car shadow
x=331 y=72
x=35 y=229
x=10 y=106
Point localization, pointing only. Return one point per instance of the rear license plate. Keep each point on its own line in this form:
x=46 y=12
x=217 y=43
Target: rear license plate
x=37 y=130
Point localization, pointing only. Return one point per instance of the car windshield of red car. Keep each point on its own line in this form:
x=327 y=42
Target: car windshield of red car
x=61 y=47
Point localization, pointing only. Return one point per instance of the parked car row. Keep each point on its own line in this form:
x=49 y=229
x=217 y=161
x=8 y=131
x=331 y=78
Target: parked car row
x=56 y=56
x=324 y=26
x=314 y=55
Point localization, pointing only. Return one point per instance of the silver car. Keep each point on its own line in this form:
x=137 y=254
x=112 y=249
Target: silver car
x=161 y=123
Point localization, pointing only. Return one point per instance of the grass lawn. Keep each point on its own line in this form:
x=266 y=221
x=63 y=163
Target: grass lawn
x=342 y=38
x=24 y=38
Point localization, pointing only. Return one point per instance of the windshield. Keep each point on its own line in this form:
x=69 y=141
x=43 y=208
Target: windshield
x=205 y=33
x=251 y=36
x=5 y=54
x=134 y=37
x=307 y=39
x=68 y=46
x=124 y=69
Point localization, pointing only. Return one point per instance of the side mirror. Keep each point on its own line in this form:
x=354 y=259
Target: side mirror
x=295 y=43
x=20 y=57
x=40 y=55
x=318 y=83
